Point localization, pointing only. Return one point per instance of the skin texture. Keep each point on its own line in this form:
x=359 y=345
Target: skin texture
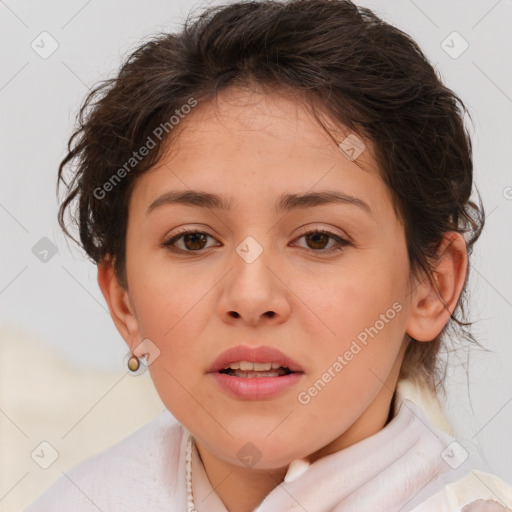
x=252 y=147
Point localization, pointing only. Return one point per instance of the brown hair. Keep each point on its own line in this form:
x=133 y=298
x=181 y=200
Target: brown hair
x=362 y=72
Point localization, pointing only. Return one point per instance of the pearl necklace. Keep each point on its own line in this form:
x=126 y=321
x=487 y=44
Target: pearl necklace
x=188 y=464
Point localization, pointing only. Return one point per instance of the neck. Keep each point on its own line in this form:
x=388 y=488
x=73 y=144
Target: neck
x=242 y=489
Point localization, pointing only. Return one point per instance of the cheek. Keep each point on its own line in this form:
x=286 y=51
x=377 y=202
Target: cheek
x=171 y=319
x=361 y=316
x=162 y=296
x=347 y=302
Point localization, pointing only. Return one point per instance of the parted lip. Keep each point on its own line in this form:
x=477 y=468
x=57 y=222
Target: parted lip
x=262 y=354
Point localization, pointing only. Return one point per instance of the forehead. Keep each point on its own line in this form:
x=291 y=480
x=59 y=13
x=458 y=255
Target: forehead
x=278 y=117
x=263 y=144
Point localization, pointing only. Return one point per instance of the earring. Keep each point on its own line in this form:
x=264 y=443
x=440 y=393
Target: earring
x=133 y=364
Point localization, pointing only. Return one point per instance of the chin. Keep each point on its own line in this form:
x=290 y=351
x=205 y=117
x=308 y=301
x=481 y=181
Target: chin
x=263 y=454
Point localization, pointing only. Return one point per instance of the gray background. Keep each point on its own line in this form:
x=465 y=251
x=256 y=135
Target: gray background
x=58 y=302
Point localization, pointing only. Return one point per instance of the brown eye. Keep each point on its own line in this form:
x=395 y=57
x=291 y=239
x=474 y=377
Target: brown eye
x=318 y=240
x=193 y=241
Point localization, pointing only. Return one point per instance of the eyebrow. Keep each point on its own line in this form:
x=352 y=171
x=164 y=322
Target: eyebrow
x=284 y=204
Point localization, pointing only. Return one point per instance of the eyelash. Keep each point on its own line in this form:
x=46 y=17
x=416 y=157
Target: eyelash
x=341 y=242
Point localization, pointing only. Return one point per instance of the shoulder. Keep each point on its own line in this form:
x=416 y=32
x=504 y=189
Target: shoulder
x=138 y=471
x=477 y=491
x=458 y=486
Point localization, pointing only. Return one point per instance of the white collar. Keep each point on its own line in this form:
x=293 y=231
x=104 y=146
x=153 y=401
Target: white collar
x=391 y=470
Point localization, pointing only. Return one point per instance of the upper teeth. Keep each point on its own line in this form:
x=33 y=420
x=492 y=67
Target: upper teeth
x=248 y=366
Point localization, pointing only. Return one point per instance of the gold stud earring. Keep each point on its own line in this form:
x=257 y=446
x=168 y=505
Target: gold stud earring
x=133 y=364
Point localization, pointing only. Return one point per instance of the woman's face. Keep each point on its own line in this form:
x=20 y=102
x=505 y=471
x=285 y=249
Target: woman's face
x=257 y=275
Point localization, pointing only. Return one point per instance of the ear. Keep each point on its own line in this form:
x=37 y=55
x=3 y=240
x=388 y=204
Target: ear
x=119 y=304
x=433 y=302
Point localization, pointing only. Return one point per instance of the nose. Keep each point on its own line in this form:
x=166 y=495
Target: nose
x=255 y=293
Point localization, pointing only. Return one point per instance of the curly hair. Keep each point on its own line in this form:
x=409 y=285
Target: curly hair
x=344 y=62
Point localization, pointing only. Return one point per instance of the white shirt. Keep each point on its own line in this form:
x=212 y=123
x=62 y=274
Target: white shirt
x=408 y=466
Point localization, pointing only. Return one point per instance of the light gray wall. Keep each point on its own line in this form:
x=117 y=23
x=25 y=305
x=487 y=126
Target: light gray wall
x=59 y=301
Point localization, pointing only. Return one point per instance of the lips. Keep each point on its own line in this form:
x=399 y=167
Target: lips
x=242 y=373
x=261 y=355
